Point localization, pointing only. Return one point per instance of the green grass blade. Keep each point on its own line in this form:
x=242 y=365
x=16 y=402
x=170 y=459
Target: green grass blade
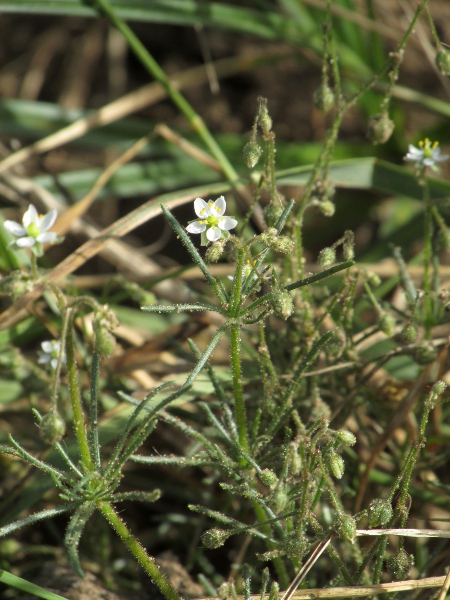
x=26 y=586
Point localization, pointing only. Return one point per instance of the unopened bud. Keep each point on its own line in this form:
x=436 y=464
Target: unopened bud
x=52 y=428
x=295 y=545
x=268 y=477
x=386 y=324
x=336 y=464
x=279 y=243
x=265 y=122
x=282 y=304
x=215 y=538
x=439 y=388
x=443 y=62
x=380 y=513
x=324 y=98
x=215 y=250
x=400 y=564
x=327 y=208
x=345 y=527
x=425 y=353
x=409 y=334
x=272 y=213
x=380 y=128
x=105 y=320
x=326 y=257
x=346 y=437
x=252 y=153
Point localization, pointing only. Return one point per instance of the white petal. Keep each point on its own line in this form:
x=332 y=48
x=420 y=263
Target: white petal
x=47 y=346
x=219 y=207
x=227 y=223
x=201 y=208
x=48 y=220
x=26 y=242
x=45 y=238
x=428 y=162
x=31 y=216
x=213 y=234
x=15 y=228
x=44 y=358
x=196 y=227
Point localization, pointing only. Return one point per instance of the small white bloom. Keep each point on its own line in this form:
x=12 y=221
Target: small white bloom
x=34 y=230
x=428 y=154
x=50 y=353
x=211 y=219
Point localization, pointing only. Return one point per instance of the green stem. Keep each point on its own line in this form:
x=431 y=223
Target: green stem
x=239 y=404
x=78 y=416
x=56 y=374
x=137 y=550
x=427 y=260
x=34 y=268
x=177 y=98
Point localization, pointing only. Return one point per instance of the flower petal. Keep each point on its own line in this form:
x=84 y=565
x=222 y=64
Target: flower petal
x=227 y=223
x=219 y=207
x=47 y=346
x=48 y=220
x=45 y=238
x=30 y=216
x=196 y=227
x=201 y=208
x=25 y=242
x=213 y=234
x=15 y=228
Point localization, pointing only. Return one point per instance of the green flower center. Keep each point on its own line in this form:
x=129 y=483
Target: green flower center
x=212 y=220
x=33 y=230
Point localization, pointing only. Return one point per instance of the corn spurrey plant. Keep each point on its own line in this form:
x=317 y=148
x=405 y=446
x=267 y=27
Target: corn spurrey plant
x=286 y=441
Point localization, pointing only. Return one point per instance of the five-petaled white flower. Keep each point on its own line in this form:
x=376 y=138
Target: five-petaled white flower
x=428 y=154
x=211 y=219
x=34 y=230
x=50 y=353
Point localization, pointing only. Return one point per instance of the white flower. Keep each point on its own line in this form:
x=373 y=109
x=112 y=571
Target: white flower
x=50 y=353
x=211 y=219
x=34 y=230
x=428 y=154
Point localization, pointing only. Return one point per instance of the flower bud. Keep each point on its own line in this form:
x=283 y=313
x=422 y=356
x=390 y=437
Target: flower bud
x=215 y=538
x=335 y=464
x=443 y=62
x=272 y=213
x=373 y=278
x=345 y=527
x=324 y=98
x=104 y=321
x=400 y=564
x=279 y=243
x=326 y=257
x=327 y=208
x=346 y=437
x=268 y=477
x=380 y=128
x=252 y=153
x=105 y=341
x=282 y=304
x=409 y=334
x=215 y=250
x=52 y=428
x=264 y=120
x=386 y=324
x=295 y=545
x=380 y=513
x=281 y=500
x=425 y=353
x=439 y=388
